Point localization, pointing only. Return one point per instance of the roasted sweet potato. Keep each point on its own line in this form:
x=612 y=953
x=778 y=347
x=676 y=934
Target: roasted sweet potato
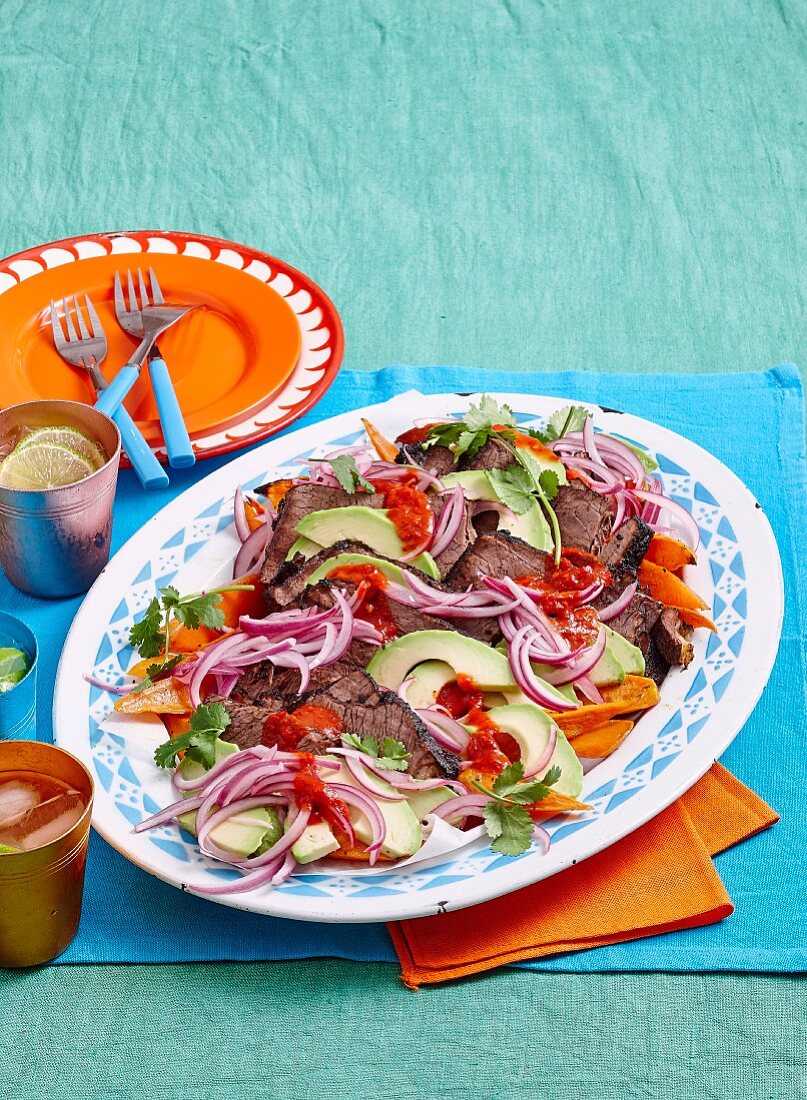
x=668 y=589
x=168 y=696
x=669 y=553
x=602 y=740
x=384 y=448
x=176 y=724
x=695 y=618
x=184 y=639
x=634 y=693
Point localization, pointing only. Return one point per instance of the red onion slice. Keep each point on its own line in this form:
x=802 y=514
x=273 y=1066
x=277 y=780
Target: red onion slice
x=617 y=606
x=685 y=518
x=252 y=548
x=365 y=804
x=113 y=689
x=446 y=731
x=170 y=813
x=240 y=515
x=360 y=774
x=466 y=805
x=533 y=687
x=449 y=523
x=582 y=666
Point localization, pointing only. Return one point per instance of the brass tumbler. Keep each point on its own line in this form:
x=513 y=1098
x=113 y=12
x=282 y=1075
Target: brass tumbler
x=41 y=890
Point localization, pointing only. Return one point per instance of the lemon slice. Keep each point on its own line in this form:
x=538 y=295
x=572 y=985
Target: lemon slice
x=43 y=466
x=13 y=667
x=7 y=850
x=71 y=438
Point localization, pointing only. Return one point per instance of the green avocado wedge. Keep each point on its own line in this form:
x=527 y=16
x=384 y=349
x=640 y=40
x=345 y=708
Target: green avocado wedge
x=531 y=728
x=531 y=526
x=371 y=526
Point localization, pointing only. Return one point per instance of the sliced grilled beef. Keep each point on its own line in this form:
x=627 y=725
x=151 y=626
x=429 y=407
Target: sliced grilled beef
x=625 y=550
x=461 y=541
x=584 y=517
x=486 y=523
x=248 y=720
x=406 y=619
x=367 y=710
x=298 y=502
x=636 y=622
x=494 y=455
x=672 y=637
x=496 y=555
x=654 y=664
x=437 y=460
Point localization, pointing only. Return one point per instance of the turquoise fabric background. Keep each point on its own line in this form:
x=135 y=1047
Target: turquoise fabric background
x=524 y=184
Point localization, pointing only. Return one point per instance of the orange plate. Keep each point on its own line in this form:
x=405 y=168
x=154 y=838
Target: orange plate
x=228 y=361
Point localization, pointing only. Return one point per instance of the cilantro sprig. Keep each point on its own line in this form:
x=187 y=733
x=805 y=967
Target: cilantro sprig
x=151 y=635
x=207 y=723
x=506 y=820
x=390 y=754
x=347 y=474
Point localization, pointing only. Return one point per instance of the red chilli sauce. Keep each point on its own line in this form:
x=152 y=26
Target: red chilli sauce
x=559 y=590
x=410 y=511
x=374 y=607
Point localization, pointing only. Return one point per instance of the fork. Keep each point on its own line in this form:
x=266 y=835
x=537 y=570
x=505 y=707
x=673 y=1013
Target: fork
x=177 y=441
x=88 y=351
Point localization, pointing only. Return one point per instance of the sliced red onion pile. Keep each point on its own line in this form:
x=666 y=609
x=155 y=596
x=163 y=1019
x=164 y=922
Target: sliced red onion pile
x=302 y=639
x=253 y=543
x=611 y=468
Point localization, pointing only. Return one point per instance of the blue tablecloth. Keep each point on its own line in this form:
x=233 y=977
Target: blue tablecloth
x=754 y=423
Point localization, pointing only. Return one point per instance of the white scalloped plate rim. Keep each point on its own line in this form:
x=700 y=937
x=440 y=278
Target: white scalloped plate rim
x=702 y=708
x=322 y=341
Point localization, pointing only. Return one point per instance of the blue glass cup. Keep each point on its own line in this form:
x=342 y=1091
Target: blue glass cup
x=18 y=705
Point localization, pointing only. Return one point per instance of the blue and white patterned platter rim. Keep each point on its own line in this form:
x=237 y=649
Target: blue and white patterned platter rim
x=192 y=542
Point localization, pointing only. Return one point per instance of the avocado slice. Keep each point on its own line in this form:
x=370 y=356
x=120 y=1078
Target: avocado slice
x=421 y=803
x=242 y=834
x=427 y=680
x=316 y=842
x=305 y=547
x=531 y=526
x=404 y=831
x=487 y=667
x=369 y=525
x=628 y=655
x=531 y=727
x=389 y=569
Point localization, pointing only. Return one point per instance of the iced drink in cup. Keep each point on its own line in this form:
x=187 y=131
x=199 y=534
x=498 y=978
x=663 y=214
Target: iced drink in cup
x=58 y=472
x=45 y=810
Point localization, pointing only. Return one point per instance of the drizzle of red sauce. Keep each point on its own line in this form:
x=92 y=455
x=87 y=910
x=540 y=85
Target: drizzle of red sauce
x=410 y=511
x=527 y=443
x=559 y=589
x=312 y=794
x=286 y=730
x=460 y=696
x=486 y=727
x=374 y=606
x=415 y=435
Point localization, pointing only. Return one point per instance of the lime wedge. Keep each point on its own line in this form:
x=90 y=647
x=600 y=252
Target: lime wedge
x=43 y=466
x=6 y=850
x=13 y=667
x=71 y=438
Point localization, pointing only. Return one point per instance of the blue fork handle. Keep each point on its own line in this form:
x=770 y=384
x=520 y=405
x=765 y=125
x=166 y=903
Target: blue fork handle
x=111 y=398
x=175 y=434
x=141 y=456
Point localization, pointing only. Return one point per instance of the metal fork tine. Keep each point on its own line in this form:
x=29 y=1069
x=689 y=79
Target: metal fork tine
x=71 y=328
x=95 y=320
x=82 y=326
x=144 y=294
x=55 y=327
x=120 y=304
x=132 y=296
x=156 y=293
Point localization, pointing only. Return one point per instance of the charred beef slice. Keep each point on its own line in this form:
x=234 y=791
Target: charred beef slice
x=436 y=460
x=368 y=711
x=672 y=637
x=497 y=555
x=625 y=550
x=299 y=502
x=637 y=621
x=248 y=720
x=493 y=455
x=584 y=517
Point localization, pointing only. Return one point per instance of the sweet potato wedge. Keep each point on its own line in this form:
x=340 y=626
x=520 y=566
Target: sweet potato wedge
x=634 y=693
x=185 y=639
x=669 y=553
x=254 y=513
x=176 y=724
x=167 y=696
x=695 y=618
x=668 y=589
x=384 y=448
x=602 y=740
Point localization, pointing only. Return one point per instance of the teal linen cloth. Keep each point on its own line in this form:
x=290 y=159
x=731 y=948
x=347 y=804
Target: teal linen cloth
x=754 y=423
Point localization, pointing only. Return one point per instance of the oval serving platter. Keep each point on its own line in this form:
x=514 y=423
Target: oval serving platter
x=191 y=544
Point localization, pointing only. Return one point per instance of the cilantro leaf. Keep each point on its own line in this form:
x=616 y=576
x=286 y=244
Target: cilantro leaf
x=509 y=827
x=446 y=435
x=207 y=723
x=514 y=487
x=487 y=413
x=347 y=474
x=507 y=779
x=549 y=482
x=201 y=610
x=148 y=635
x=568 y=419
x=648 y=462
x=391 y=754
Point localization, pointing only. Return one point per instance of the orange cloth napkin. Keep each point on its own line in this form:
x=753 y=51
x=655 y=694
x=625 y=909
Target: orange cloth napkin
x=658 y=879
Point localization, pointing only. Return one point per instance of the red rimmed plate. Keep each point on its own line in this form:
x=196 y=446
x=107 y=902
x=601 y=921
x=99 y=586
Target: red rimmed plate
x=261 y=353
